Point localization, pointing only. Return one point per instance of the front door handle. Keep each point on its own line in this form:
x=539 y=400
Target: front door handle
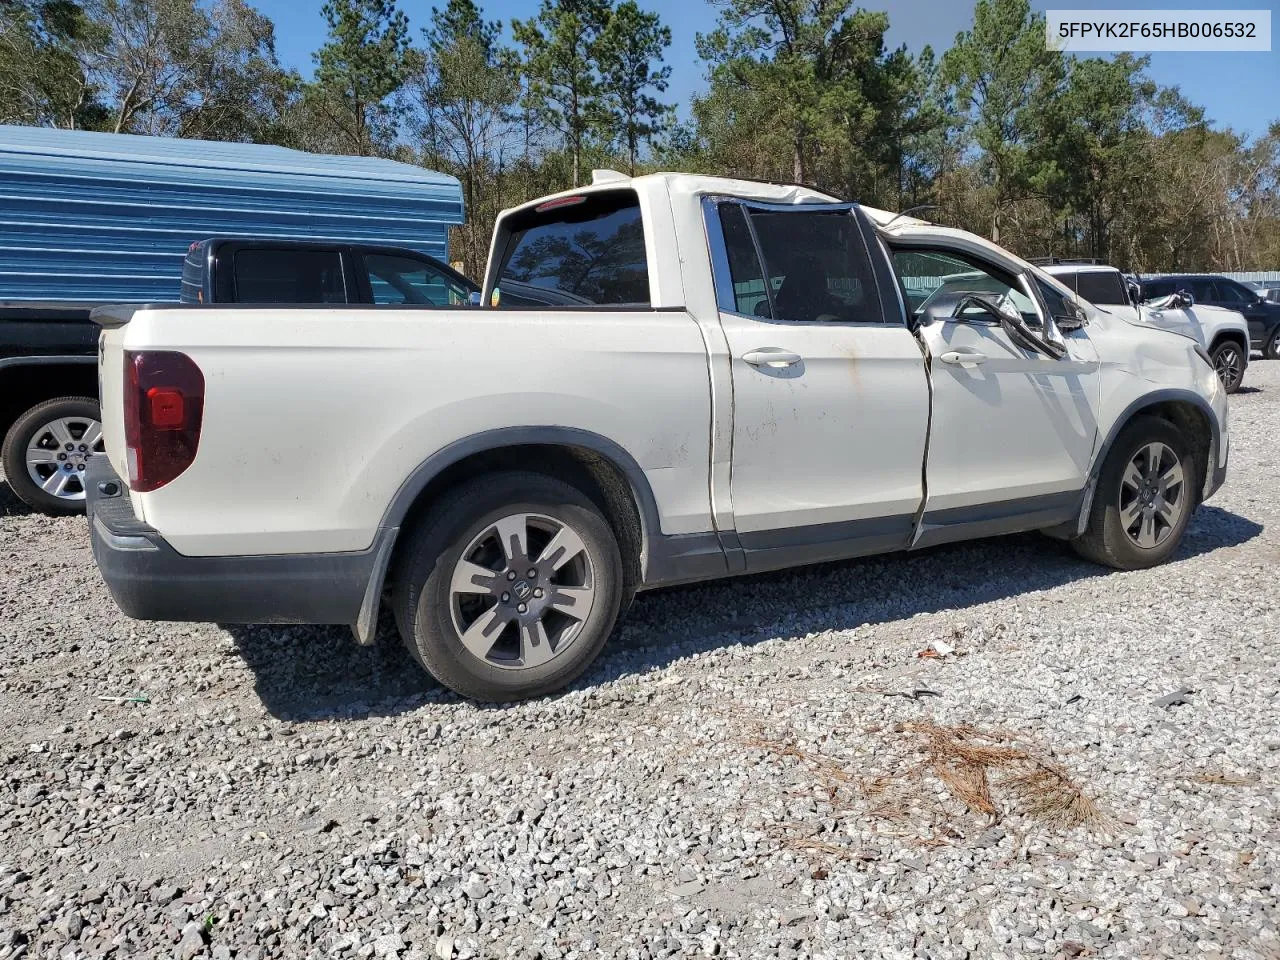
x=771 y=357
x=963 y=358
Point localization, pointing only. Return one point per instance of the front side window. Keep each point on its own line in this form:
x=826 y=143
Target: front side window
x=289 y=276
x=577 y=251
x=394 y=279
x=1154 y=289
x=1201 y=290
x=929 y=274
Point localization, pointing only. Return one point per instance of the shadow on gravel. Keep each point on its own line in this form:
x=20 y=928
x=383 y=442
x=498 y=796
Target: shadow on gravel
x=320 y=673
x=11 y=506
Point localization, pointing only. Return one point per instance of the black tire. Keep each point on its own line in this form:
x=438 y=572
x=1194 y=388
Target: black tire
x=13 y=455
x=1271 y=348
x=1105 y=540
x=1228 y=360
x=423 y=595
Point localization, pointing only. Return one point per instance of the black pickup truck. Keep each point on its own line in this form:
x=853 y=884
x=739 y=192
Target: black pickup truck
x=49 y=415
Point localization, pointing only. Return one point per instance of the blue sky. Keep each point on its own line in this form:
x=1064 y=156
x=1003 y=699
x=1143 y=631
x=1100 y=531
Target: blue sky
x=1240 y=90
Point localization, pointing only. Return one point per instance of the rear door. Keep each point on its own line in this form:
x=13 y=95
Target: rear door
x=1013 y=429
x=830 y=400
x=1234 y=296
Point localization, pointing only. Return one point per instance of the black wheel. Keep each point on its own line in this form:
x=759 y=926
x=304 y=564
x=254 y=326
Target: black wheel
x=47 y=449
x=1271 y=349
x=1228 y=360
x=1146 y=494
x=510 y=587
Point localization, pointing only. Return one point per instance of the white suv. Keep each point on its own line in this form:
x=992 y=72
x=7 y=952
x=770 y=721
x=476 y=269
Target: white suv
x=1223 y=333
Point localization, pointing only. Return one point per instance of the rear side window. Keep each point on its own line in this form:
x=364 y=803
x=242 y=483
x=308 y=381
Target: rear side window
x=1104 y=287
x=395 y=279
x=289 y=276
x=1229 y=292
x=815 y=270
x=582 y=251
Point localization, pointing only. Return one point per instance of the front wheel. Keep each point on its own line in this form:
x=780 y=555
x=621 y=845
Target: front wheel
x=1144 y=499
x=510 y=587
x=46 y=453
x=1228 y=360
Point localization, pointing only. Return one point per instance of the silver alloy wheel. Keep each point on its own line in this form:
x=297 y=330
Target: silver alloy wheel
x=1227 y=362
x=1153 y=495
x=521 y=591
x=59 y=452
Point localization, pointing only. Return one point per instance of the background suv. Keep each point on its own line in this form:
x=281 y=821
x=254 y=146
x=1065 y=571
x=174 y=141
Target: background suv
x=1262 y=315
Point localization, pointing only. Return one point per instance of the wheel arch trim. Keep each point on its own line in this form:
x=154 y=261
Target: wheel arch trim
x=1135 y=407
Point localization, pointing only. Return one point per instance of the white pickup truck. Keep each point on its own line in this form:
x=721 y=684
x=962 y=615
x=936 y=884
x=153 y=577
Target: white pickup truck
x=737 y=376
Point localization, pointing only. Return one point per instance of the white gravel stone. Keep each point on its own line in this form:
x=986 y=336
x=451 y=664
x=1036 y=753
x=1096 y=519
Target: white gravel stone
x=726 y=782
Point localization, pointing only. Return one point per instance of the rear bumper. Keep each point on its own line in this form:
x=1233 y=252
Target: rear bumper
x=149 y=580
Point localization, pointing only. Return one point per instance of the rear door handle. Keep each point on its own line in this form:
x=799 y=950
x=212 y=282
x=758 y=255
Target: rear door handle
x=771 y=357
x=963 y=358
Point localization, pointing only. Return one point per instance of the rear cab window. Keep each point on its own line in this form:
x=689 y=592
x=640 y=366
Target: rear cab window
x=583 y=250
x=264 y=275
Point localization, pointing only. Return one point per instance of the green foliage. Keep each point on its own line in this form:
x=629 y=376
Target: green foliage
x=1049 y=153
x=561 y=46
x=365 y=60
x=1008 y=83
x=630 y=53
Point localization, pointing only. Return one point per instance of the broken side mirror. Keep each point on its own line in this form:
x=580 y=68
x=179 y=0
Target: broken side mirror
x=1181 y=300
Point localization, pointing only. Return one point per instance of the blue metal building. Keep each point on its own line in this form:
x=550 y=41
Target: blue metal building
x=108 y=217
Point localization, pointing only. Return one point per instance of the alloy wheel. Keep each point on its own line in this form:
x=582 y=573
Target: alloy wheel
x=1227 y=362
x=1153 y=495
x=58 y=454
x=521 y=591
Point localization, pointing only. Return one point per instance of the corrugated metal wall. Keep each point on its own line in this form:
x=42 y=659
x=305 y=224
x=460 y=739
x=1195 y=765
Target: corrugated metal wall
x=1269 y=277
x=109 y=217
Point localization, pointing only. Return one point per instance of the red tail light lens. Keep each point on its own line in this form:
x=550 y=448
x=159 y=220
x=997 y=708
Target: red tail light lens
x=163 y=411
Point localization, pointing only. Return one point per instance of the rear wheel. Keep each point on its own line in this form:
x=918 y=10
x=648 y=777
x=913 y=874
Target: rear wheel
x=46 y=453
x=510 y=587
x=1228 y=360
x=1271 y=350
x=1145 y=496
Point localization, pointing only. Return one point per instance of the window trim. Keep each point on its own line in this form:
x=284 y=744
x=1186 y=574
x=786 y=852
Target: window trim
x=722 y=278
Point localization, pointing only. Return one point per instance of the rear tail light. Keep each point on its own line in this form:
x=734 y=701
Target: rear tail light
x=163 y=410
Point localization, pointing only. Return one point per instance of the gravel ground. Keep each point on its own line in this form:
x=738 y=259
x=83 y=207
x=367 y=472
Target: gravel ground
x=738 y=777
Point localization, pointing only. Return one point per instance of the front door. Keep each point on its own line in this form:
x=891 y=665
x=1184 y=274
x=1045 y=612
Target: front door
x=830 y=398
x=1013 y=429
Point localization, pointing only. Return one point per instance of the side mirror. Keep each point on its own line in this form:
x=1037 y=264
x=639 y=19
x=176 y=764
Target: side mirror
x=1181 y=300
x=1068 y=324
x=1135 y=291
